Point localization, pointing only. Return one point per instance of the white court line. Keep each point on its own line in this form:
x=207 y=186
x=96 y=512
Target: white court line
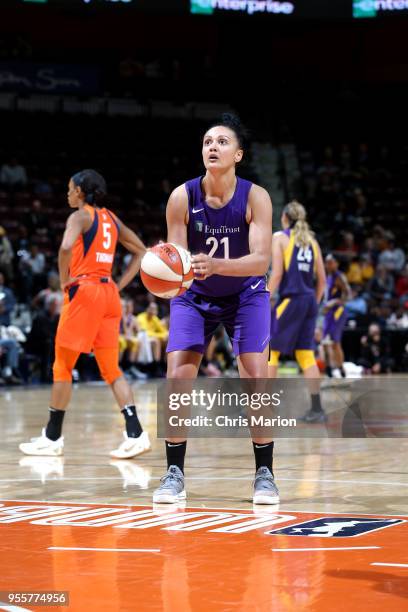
x=357 y=482
x=341 y=548
x=244 y=478
x=391 y=564
x=203 y=507
x=147 y=550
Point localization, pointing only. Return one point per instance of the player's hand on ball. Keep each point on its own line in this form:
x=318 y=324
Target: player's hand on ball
x=203 y=266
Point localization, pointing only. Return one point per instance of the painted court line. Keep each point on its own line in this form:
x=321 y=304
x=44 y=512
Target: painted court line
x=340 y=548
x=391 y=564
x=243 y=478
x=202 y=507
x=147 y=550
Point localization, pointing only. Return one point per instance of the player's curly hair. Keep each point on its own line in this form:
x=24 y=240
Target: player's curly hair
x=233 y=122
x=296 y=215
x=92 y=185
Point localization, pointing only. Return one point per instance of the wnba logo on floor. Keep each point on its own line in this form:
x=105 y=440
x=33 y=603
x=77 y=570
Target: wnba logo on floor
x=336 y=527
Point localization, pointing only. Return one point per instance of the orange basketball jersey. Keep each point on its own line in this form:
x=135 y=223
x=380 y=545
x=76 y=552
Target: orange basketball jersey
x=94 y=251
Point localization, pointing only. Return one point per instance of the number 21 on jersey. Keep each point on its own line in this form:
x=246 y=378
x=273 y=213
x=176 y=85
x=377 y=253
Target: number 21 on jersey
x=213 y=242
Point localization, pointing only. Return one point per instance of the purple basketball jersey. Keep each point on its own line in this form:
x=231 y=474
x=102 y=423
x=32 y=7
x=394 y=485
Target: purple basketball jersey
x=332 y=291
x=335 y=319
x=221 y=233
x=299 y=268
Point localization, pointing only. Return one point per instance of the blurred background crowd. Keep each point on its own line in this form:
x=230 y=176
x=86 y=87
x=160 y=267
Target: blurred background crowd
x=327 y=126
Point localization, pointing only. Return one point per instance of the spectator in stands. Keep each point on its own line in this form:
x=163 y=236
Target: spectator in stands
x=13 y=176
x=328 y=167
x=43 y=187
x=392 y=258
x=9 y=355
x=367 y=268
x=401 y=287
x=6 y=255
x=382 y=285
x=369 y=249
x=51 y=293
x=398 y=319
x=37 y=219
x=360 y=271
x=340 y=217
x=40 y=341
x=149 y=322
x=22 y=242
x=10 y=338
x=354 y=272
x=356 y=218
x=380 y=313
x=356 y=307
x=7 y=302
x=347 y=248
x=32 y=268
x=380 y=239
x=129 y=340
x=375 y=352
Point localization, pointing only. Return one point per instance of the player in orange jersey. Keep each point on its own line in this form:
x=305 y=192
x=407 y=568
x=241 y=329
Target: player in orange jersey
x=91 y=313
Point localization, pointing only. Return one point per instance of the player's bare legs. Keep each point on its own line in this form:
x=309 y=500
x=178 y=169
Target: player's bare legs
x=255 y=366
x=122 y=392
x=181 y=365
x=312 y=376
x=61 y=395
x=311 y=372
x=156 y=348
x=272 y=371
x=338 y=356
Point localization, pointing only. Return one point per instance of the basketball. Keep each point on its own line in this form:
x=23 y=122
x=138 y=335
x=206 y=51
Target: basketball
x=166 y=270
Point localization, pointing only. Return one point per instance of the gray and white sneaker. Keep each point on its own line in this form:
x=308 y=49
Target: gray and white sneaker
x=313 y=416
x=265 y=489
x=171 y=489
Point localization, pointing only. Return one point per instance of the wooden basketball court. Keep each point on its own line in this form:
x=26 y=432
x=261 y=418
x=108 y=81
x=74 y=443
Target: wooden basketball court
x=85 y=524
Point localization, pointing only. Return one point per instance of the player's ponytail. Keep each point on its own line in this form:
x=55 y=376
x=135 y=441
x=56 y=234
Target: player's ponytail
x=92 y=185
x=296 y=215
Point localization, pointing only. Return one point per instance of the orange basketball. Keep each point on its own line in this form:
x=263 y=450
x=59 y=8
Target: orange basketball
x=166 y=270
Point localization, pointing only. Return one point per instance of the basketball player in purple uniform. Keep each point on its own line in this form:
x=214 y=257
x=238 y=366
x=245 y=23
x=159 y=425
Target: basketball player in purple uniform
x=298 y=274
x=337 y=293
x=226 y=221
